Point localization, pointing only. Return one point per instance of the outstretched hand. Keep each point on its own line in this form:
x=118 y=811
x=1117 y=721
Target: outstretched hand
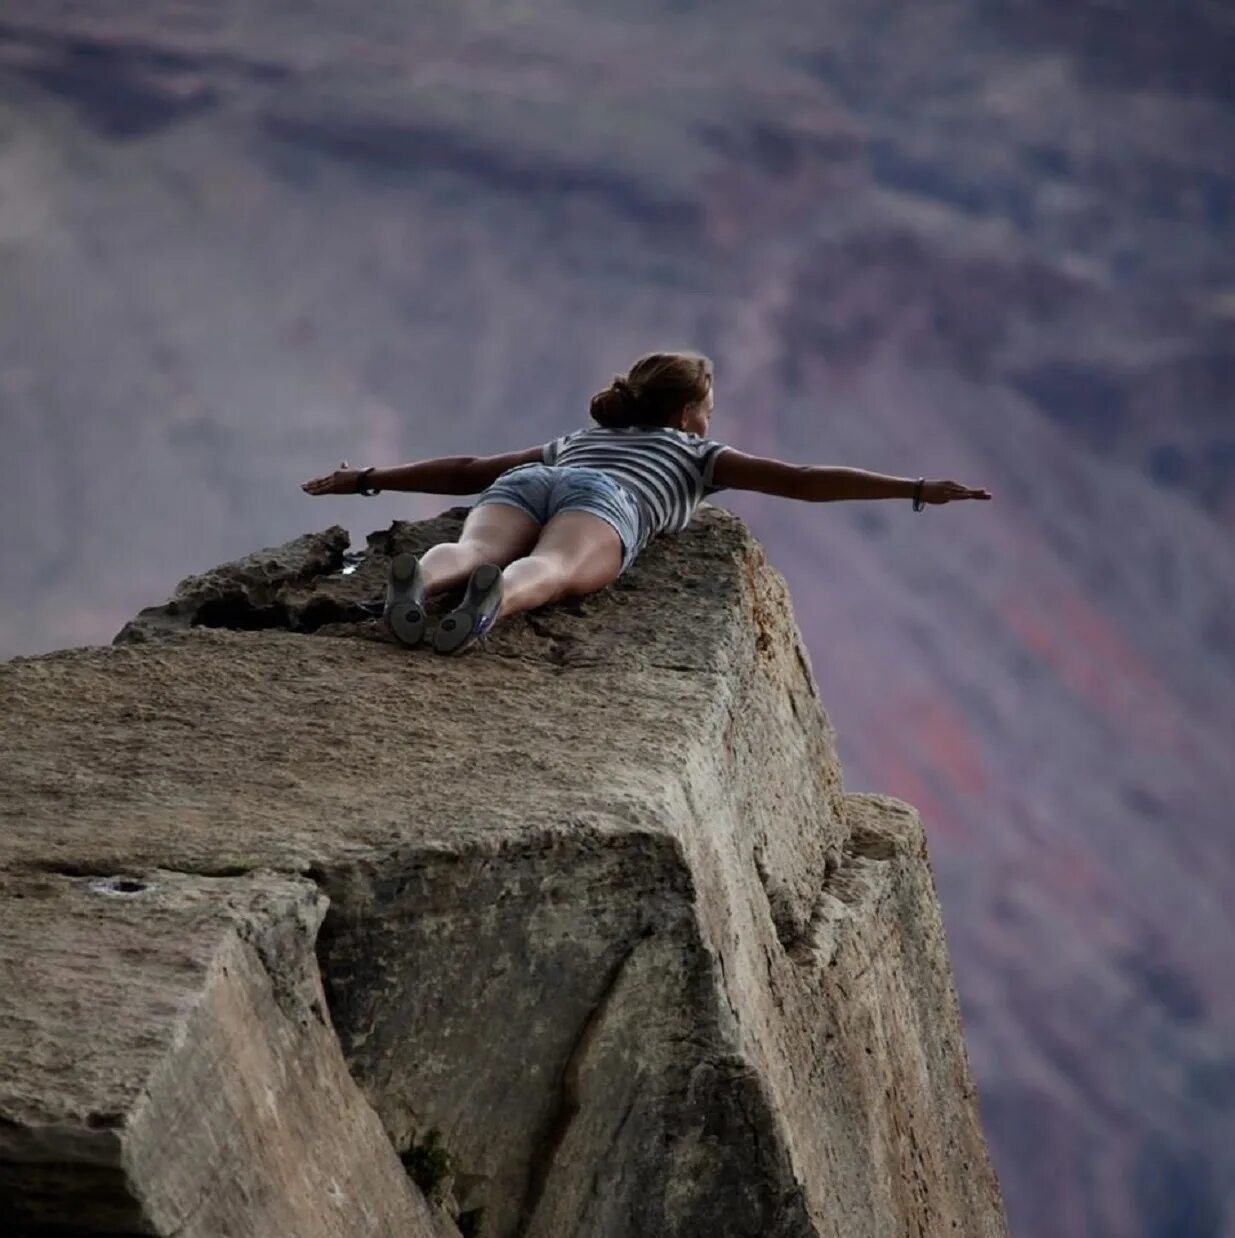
x=342 y=481
x=947 y=491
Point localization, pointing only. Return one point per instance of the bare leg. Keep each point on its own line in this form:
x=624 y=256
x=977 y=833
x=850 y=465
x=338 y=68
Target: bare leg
x=495 y=533
x=577 y=553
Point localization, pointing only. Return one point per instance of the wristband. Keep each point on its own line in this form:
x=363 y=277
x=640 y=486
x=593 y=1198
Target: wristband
x=361 y=488
x=918 y=502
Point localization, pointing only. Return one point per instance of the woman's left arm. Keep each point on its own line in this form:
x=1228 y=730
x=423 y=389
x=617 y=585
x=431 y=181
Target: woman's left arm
x=735 y=470
x=443 y=475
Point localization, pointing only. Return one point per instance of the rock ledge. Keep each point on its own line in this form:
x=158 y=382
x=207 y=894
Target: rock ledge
x=602 y=921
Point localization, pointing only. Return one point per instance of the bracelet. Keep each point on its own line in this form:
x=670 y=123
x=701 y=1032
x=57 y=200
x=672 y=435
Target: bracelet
x=361 y=488
x=918 y=502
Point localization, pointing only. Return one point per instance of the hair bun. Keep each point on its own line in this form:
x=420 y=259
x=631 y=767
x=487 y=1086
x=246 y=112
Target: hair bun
x=614 y=406
x=653 y=391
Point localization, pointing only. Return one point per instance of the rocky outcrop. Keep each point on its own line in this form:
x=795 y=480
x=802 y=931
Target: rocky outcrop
x=168 y=1066
x=608 y=945
x=258 y=591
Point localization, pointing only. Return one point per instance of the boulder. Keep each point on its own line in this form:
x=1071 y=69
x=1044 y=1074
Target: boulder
x=605 y=935
x=167 y=1066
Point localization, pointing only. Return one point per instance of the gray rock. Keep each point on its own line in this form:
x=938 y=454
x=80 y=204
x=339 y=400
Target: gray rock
x=253 y=592
x=603 y=921
x=167 y=1066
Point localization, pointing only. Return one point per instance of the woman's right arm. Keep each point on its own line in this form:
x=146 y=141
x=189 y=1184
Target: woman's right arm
x=443 y=475
x=451 y=474
x=735 y=470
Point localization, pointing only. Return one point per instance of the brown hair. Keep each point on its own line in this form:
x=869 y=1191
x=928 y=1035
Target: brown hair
x=656 y=388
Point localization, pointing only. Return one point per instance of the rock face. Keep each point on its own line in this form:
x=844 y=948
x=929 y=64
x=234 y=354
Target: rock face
x=605 y=932
x=169 y=1066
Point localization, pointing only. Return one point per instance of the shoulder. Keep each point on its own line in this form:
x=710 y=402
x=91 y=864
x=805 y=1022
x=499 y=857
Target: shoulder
x=555 y=446
x=702 y=449
x=588 y=434
x=693 y=443
x=572 y=436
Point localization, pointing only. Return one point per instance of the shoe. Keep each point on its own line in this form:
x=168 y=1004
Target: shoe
x=404 y=608
x=474 y=616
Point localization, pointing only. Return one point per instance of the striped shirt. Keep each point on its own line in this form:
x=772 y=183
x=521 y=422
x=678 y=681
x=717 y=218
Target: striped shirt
x=667 y=471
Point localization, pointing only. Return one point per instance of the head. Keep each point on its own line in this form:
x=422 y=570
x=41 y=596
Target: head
x=661 y=389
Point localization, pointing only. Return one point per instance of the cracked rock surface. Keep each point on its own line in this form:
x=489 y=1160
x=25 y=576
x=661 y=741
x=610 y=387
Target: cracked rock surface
x=167 y=1066
x=601 y=916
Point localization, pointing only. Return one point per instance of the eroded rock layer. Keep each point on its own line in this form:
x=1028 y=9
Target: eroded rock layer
x=604 y=929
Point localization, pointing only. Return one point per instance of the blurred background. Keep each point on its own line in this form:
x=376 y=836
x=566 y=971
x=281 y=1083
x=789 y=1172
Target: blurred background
x=241 y=240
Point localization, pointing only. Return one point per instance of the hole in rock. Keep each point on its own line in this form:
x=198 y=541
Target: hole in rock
x=104 y=1121
x=236 y=612
x=120 y=887
x=240 y=615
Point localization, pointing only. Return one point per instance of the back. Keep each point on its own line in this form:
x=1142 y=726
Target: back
x=667 y=471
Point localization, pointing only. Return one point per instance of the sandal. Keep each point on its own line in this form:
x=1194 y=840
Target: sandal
x=404 y=608
x=474 y=616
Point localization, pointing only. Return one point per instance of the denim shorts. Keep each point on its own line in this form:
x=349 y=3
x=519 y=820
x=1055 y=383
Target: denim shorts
x=543 y=490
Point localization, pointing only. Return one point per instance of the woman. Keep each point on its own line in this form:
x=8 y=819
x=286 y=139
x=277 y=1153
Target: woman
x=569 y=517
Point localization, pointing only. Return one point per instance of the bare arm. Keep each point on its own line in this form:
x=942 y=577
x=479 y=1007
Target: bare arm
x=443 y=475
x=735 y=470
x=451 y=474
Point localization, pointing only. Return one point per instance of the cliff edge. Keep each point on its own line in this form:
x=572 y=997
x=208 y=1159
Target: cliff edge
x=306 y=934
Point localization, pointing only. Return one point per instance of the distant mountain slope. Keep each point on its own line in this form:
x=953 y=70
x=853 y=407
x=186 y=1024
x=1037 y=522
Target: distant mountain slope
x=961 y=240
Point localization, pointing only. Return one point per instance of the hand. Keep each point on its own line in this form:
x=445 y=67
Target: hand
x=342 y=481
x=947 y=491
